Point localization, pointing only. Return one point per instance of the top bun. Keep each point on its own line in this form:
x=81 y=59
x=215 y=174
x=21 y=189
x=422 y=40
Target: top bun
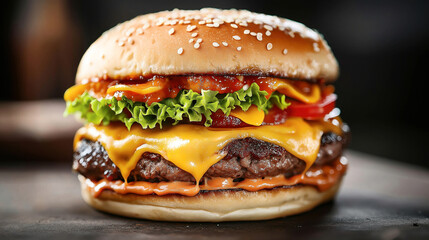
x=208 y=41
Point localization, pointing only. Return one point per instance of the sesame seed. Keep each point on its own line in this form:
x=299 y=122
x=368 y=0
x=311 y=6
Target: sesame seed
x=172 y=22
x=253 y=33
x=284 y=51
x=236 y=37
x=123 y=39
x=199 y=40
x=171 y=31
x=268 y=33
x=197 y=45
x=190 y=28
x=129 y=32
x=139 y=31
x=219 y=21
x=259 y=36
x=131 y=41
x=186 y=22
x=244 y=24
x=121 y=43
x=194 y=34
x=215 y=44
x=234 y=25
x=225 y=44
x=268 y=27
x=191 y=40
x=180 y=51
x=202 y=22
x=145 y=26
x=238 y=48
x=316 y=47
x=269 y=46
x=247 y=31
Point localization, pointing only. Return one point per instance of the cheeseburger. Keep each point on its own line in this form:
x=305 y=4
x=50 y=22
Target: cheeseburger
x=208 y=115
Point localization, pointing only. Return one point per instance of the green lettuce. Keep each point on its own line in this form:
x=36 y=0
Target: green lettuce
x=186 y=105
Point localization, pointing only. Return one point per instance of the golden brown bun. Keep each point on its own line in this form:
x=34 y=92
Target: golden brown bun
x=214 y=206
x=193 y=42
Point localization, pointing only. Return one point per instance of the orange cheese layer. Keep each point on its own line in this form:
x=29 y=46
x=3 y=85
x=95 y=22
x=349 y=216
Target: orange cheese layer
x=196 y=148
x=323 y=177
x=252 y=116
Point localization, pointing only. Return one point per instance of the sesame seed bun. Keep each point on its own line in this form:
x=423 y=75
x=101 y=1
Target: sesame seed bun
x=212 y=206
x=208 y=41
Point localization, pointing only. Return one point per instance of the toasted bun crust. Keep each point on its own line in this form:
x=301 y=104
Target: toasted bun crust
x=208 y=41
x=213 y=206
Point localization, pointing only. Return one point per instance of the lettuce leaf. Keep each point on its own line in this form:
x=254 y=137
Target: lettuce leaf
x=186 y=105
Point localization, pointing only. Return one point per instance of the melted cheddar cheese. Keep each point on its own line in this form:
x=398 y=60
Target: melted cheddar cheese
x=195 y=148
x=75 y=91
x=286 y=88
x=253 y=115
x=133 y=88
x=142 y=89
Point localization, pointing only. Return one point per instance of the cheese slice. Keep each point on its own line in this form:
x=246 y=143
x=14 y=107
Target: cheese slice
x=144 y=88
x=196 y=148
x=75 y=91
x=252 y=116
x=138 y=89
x=289 y=90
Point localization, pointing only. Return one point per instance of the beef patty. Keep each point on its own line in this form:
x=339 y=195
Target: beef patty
x=245 y=158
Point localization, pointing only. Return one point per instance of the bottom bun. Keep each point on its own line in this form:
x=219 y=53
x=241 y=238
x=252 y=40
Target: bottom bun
x=211 y=206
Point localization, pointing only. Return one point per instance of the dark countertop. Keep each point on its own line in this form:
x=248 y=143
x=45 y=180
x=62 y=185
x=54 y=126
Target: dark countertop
x=379 y=199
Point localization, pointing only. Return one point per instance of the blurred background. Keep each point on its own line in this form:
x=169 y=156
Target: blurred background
x=382 y=48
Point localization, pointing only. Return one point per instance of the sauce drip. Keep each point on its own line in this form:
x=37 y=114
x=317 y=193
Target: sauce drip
x=322 y=177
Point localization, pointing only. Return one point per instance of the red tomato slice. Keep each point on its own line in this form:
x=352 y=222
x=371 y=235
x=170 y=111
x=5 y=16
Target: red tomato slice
x=312 y=111
x=275 y=116
x=220 y=120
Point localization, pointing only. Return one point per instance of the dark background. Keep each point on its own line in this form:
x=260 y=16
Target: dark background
x=382 y=48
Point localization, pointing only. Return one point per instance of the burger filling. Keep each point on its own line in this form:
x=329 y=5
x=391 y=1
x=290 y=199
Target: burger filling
x=279 y=133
